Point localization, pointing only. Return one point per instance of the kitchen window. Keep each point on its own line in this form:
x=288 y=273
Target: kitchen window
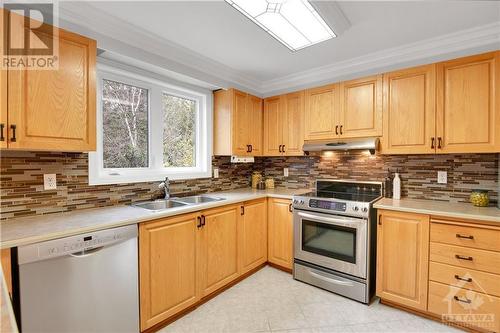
x=149 y=129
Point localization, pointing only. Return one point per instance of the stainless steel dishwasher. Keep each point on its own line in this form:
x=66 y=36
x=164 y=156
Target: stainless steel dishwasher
x=84 y=283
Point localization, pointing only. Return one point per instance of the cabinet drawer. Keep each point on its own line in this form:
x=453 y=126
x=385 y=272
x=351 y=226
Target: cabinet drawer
x=471 y=308
x=480 y=260
x=466 y=278
x=476 y=237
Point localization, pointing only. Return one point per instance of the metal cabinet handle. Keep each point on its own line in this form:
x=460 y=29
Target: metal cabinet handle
x=462 y=279
x=290 y=208
x=203 y=220
x=13 y=127
x=466 y=300
x=341 y=129
x=283 y=150
x=251 y=148
x=242 y=210
x=440 y=143
x=2 y=137
x=379 y=219
x=466 y=237
x=248 y=148
x=432 y=143
x=329 y=279
x=463 y=257
x=199 y=222
x=337 y=130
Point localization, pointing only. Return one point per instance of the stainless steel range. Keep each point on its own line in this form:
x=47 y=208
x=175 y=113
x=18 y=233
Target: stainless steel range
x=334 y=232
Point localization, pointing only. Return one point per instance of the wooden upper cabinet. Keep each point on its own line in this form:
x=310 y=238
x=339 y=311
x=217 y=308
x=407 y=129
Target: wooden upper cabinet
x=241 y=132
x=293 y=124
x=55 y=109
x=402 y=258
x=468 y=106
x=218 y=248
x=237 y=123
x=280 y=232
x=409 y=111
x=321 y=112
x=167 y=267
x=253 y=235
x=255 y=123
x=361 y=108
x=273 y=128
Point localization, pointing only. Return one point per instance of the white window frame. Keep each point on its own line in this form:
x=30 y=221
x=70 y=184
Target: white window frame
x=155 y=171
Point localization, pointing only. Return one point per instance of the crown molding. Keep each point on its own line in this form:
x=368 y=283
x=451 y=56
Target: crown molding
x=469 y=41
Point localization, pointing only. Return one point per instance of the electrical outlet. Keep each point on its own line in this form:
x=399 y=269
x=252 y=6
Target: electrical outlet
x=442 y=177
x=216 y=172
x=285 y=172
x=49 y=181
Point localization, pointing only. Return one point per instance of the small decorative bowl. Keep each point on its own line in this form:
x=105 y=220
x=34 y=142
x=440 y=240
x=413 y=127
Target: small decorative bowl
x=480 y=198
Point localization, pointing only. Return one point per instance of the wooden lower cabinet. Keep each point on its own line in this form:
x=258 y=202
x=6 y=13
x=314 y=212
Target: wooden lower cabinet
x=280 y=232
x=403 y=258
x=253 y=234
x=218 y=248
x=167 y=267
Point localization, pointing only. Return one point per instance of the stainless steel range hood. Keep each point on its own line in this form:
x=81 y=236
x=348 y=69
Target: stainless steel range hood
x=342 y=144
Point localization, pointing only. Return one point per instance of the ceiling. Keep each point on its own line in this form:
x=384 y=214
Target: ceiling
x=215 y=33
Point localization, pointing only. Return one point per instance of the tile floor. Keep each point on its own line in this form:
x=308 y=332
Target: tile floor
x=272 y=301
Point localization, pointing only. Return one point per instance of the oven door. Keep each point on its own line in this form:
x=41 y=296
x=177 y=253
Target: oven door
x=331 y=241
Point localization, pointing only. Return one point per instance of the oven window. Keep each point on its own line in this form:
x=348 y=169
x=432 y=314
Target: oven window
x=333 y=241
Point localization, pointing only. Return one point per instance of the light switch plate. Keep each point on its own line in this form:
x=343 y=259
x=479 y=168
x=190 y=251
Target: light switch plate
x=216 y=172
x=49 y=181
x=285 y=172
x=442 y=177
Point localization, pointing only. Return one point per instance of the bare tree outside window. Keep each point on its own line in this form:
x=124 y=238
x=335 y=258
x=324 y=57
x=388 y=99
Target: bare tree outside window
x=179 y=131
x=125 y=125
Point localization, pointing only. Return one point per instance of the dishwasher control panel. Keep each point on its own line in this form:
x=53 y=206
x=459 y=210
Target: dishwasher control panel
x=75 y=245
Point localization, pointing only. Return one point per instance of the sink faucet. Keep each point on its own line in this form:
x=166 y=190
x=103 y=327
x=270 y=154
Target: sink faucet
x=165 y=186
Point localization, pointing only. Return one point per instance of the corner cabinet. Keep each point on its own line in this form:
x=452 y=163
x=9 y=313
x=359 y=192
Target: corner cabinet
x=237 y=123
x=253 y=234
x=468 y=104
x=403 y=258
x=280 y=232
x=283 y=125
x=53 y=109
x=166 y=246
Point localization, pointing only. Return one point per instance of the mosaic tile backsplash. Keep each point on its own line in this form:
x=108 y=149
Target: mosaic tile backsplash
x=22 y=194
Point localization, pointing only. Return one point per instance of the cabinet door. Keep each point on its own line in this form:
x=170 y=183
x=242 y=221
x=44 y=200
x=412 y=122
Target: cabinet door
x=241 y=137
x=467 y=106
x=273 y=129
x=253 y=235
x=3 y=95
x=409 y=111
x=321 y=112
x=168 y=271
x=280 y=232
x=361 y=108
x=255 y=124
x=293 y=126
x=218 y=248
x=55 y=109
x=403 y=258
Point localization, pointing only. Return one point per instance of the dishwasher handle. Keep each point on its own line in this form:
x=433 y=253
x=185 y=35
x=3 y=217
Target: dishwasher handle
x=86 y=253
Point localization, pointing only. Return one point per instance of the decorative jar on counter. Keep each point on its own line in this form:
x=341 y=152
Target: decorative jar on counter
x=269 y=182
x=480 y=198
x=256 y=178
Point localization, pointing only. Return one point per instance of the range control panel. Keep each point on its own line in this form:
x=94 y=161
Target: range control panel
x=349 y=208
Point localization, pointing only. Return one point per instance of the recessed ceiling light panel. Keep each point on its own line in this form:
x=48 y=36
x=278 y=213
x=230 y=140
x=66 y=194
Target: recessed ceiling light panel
x=295 y=23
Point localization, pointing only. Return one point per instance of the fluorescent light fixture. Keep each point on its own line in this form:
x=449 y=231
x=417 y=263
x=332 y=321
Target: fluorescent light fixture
x=295 y=23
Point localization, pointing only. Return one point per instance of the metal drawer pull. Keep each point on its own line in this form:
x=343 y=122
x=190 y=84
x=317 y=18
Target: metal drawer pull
x=463 y=258
x=467 y=237
x=466 y=300
x=329 y=279
x=462 y=279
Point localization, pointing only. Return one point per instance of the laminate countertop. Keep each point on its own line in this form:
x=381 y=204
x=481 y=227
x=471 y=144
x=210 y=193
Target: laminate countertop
x=34 y=229
x=439 y=208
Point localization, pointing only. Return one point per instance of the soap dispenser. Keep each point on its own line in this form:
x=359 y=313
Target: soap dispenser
x=396 y=186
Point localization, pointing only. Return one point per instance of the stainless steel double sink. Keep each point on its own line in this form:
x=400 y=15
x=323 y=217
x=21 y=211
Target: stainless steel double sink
x=164 y=204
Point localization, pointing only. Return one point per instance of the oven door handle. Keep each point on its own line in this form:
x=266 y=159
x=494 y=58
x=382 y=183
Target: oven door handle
x=328 y=220
x=329 y=279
